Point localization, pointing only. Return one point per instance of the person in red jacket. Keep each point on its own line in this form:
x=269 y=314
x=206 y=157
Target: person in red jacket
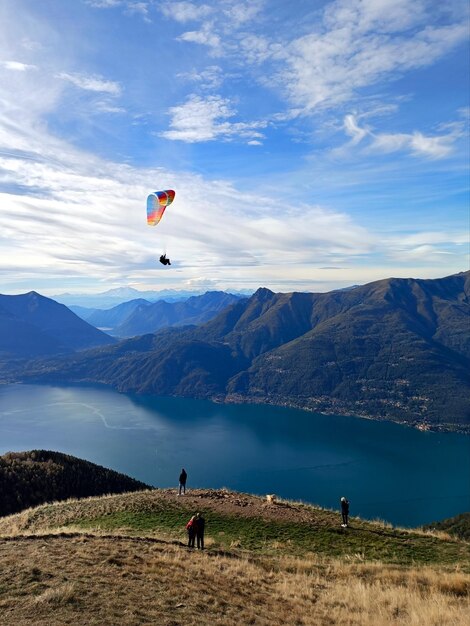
x=191 y=529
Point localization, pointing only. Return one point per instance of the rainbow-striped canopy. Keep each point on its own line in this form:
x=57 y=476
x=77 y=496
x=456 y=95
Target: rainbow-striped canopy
x=156 y=205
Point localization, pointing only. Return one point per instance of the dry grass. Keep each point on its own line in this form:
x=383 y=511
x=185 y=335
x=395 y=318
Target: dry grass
x=95 y=580
x=56 y=596
x=57 y=570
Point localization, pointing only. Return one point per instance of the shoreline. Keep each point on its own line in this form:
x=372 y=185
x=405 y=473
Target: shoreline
x=239 y=399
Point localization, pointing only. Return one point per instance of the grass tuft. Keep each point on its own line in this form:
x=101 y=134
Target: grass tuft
x=57 y=596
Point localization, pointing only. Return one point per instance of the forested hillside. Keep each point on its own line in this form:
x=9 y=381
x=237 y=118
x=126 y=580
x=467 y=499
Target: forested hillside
x=31 y=478
x=458 y=526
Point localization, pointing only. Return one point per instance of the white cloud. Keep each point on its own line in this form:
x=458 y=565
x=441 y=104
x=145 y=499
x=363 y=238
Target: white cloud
x=186 y=11
x=16 y=66
x=425 y=252
x=351 y=127
x=130 y=7
x=240 y=12
x=141 y=8
x=201 y=284
x=431 y=238
x=232 y=13
x=92 y=83
x=26 y=90
x=205 y=119
x=426 y=246
x=218 y=24
x=257 y=49
x=436 y=147
x=352 y=45
x=418 y=144
x=359 y=43
x=205 y=37
x=103 y=4
x=464 y=112
x=212 y=76
x=380 y=15
x=105 y=107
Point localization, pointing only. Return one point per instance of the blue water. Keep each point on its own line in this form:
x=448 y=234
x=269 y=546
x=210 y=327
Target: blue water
x=387 y=471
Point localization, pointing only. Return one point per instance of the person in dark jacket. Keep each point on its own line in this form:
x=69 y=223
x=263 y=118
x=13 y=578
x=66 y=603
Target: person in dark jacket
x=164 y=260
x=183 y=478
x=200 y=525
x=191 y=530
x=345 y=512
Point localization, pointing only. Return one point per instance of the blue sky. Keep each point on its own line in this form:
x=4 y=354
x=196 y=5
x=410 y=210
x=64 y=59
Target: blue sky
x=312 y=145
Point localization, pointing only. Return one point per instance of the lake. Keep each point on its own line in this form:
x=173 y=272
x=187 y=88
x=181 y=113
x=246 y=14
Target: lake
x=387 y=471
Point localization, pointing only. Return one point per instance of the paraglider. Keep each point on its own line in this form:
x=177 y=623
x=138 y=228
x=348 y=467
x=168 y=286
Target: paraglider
x=156 y=205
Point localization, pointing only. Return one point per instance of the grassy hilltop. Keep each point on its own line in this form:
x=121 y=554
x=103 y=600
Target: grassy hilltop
x=123 y=559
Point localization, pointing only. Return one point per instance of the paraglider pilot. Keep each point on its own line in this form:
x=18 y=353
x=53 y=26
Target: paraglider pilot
x=164 y=260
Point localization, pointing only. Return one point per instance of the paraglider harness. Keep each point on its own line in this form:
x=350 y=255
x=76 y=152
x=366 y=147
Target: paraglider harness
x=164 y=260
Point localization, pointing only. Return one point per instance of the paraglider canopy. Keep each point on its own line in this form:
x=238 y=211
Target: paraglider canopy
x=156 y=205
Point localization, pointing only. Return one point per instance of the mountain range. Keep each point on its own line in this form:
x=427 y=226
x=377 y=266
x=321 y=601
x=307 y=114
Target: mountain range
x=394 y=349
x=32 y=325
x=140 y=316
x=113 y=297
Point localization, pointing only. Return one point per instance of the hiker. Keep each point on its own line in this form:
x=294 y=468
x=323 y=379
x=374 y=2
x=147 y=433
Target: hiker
x=183 y=478
x=191 y=528
x=345 y=512
x=200 y=523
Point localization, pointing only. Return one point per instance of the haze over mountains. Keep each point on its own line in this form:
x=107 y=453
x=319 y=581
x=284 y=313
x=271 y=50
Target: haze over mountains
x=396 y=349
x=138 y=317
x=120 y=295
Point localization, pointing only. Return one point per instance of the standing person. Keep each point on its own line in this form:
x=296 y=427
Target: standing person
x=200 y=524
x=191 y=529
x=345 y=511
x=183 y=478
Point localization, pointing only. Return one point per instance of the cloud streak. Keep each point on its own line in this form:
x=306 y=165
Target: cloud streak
x=17 y=66
x=92 y=83
x=416 y=143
